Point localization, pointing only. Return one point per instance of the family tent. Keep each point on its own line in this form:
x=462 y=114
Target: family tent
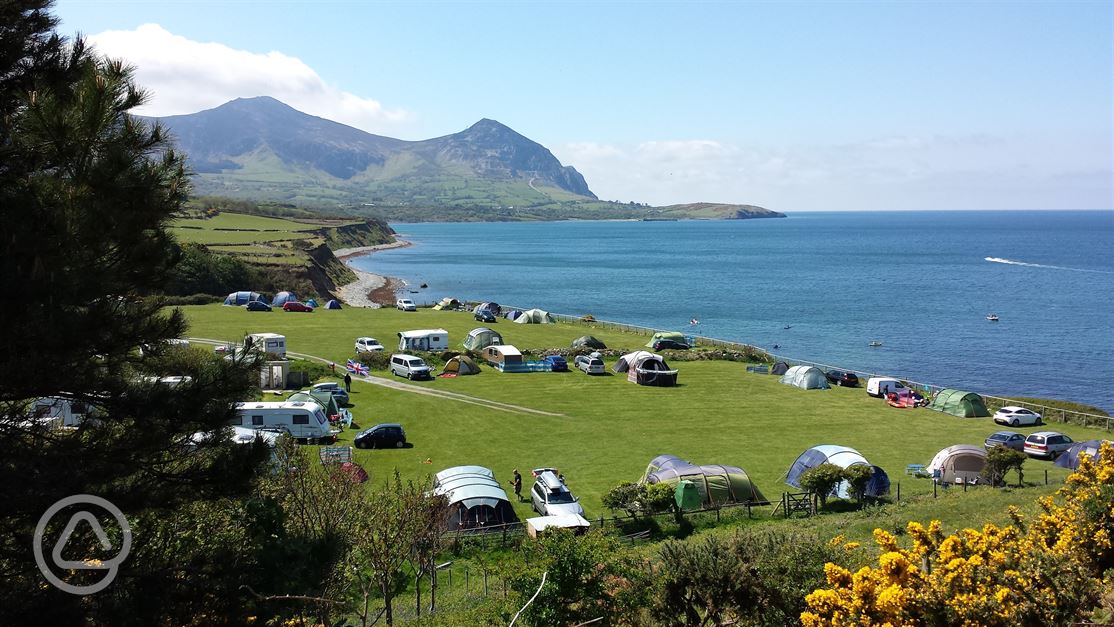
x=512 y=314
x=673 y=336
x=312 y=303
x=646 y=368
x=236 y=299
x=961 y=461
x=714 y=483
x=282 y=298
x=534 y=316
x=841 y=456
x=587 y=341
x=780 y=368
x=333 y=304
x=475 y=498
x=494 y=308
x=480 y=338
x=1070 y=458
x=447 y=303
x=462 y=365
x=806 y=378
x=959 y=403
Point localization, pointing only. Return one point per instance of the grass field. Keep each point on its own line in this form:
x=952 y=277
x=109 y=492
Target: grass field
x=608 y=428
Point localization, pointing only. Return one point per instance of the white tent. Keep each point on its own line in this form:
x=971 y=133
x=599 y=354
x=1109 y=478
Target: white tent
x=961 y=461
x=534 y=316
x=806 y=378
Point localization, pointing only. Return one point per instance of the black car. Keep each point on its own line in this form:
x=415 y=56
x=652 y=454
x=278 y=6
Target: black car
x=843 y=378
x=386 y=435
x=670 y=345
x=485 y=315
x=258 y=305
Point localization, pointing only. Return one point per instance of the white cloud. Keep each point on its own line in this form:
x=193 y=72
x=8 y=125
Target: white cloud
x=185 y=76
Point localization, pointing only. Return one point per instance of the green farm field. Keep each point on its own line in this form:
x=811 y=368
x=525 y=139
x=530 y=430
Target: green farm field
x=606 y=429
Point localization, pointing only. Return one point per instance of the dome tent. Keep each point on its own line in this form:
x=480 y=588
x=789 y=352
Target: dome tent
x=512 y=314
x=1070 y=458
x=534 y=316
x=237 y=299
x=806 y=378
x=447 y=303
x=646 y=368
x=480 y=338
x=312 y=303
x=841 y=456
x=494 y=308
x=282 y=298
x=959 y=403
x=587 y=341
x=716 y=484
x=961 y=461
x=780 y=368
x=462 y=365
x=673 y=336
x=332 y=304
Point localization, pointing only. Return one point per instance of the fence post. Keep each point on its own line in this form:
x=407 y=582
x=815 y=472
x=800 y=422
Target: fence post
x=934 y=484
x=1045 y=476
x=466 y=571
x=898 y=491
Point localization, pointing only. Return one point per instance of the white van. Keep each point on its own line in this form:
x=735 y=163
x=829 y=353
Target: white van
x=270 y=343
x=423 y=340
x=881 y=386
x=410 y=367
x=302 y=420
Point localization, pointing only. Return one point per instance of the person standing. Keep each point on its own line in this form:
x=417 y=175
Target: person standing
x=348 y=382
x=516 y=481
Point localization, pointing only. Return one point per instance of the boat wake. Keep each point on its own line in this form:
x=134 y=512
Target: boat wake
x=1011 y=262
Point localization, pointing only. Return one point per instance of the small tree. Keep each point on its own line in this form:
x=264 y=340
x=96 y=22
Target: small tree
x=858 y=477
x=999 y=461
x=627 y=497
x=702 y=583
x=822 y=481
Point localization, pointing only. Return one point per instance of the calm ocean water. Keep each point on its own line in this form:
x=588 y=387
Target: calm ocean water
x=921 y=283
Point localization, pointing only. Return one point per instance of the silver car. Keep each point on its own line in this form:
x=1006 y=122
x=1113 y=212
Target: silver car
x=1047 y=444
x=589 y=364
x=551 y=497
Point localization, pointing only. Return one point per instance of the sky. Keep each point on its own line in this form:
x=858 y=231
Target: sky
x=794 y=106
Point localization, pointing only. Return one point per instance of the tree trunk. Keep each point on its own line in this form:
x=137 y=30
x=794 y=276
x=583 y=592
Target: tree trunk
x=389 y=617
x=433 y=590
x=418 y=593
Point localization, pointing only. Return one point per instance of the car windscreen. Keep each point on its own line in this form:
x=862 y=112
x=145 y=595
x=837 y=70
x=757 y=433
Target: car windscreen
x=560 y=496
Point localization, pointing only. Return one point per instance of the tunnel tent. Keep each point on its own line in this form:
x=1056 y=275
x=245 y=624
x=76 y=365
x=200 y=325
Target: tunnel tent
x=674 y=336
x=461 y=365
x=959 y=403
x=512 y=314
x=494 y=308
x=476 y=500
x=646 y=368
x=457 y=471
x=482 y=337
x=961 y=461
x=534 y=316
x=282 y=298
x=236 y=299
x=780 y=368
x=716 y=484
x=332 y=304
x=588 y=341
x=841 y=456
x=1070 y=458
x=806 y=378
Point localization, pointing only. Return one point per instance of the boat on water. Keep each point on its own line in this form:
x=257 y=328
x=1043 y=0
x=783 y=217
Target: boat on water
x=875 y=343
x=992 y=317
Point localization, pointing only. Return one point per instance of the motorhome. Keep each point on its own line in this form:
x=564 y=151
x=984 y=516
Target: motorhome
x=269 y=343
x=300 y=419
x=423 y=340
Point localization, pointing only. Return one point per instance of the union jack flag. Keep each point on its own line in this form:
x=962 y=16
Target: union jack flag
x=356 y=367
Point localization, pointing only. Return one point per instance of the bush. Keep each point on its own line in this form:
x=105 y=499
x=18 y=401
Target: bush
x=999 y=461
x=822 y=481
x=315 y=370
x=376 y=360
x=626 y=496
x=858 y=477
x=192 y=299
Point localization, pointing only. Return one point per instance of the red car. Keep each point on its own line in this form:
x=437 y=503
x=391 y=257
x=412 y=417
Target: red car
x=296 y=306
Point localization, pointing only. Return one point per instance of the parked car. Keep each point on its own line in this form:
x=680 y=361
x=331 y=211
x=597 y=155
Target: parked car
x=368 y=345
x=1007 y=439
x=670 y=345
x=556 y=363
x=551 y=497
x=257 y=305
x=296 y=306
x=405 y=304
x=842 y=378
x=1014 y=416
x=1047 y=444
x=485 y=315
x=589 y=364
x=410 y=367
x=388 y=434
x=334 y=388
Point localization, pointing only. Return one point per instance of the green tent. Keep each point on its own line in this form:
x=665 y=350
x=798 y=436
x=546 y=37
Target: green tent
x=676 y=336
x=959 y=403
x=715 y=484
x=687 y=496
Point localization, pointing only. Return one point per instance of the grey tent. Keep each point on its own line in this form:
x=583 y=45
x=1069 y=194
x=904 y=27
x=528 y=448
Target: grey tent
x=476 y=500
x=461 y=365
x=512 y=314
x=534 y=316
x=587 y=341
x=780 y=368
x=480 y=338
x=333 y=304
x=494 y=308
x=284 y=297
x=961 y=461
x=1070 y=458
x=841 y=456
x=646 y=368
x=312 y=303
x=716 y=484
x=806 y=378
x=242 y=298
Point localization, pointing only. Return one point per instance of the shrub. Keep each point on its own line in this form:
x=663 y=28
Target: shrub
x=858 y=477
x=192 y=299
x=375 y=360
x=659 y=497
x=822 y=481
x=313 y=369
x=999 y=461
x=627 y=497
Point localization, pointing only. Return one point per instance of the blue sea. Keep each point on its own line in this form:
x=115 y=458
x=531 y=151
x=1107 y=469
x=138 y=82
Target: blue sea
x=821 y=286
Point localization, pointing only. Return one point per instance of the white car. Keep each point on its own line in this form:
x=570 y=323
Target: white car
x=1014 y=416
x=405 y=304
x=368 y=345
x=589 y=364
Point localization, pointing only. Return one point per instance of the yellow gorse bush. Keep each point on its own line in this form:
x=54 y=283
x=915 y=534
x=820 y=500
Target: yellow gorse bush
x=1046 y=572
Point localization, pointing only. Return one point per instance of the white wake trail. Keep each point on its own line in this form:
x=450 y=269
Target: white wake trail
x=1012 y=262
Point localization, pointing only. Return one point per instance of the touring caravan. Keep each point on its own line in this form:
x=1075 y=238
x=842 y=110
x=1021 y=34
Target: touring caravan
x=504 y=357
x=423 y=340
x=269 y=343
x=302 y=420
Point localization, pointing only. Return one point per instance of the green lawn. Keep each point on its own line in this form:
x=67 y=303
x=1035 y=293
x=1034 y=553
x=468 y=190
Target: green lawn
x=609 y=428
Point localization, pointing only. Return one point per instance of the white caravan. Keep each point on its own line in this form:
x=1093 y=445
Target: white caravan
x=302 y=420
x=423 y=340
x=270 y=343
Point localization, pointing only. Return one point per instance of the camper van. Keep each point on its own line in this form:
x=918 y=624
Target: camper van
x=881 y=386
x=302 y=420
x=410 y=367
x=423 y=340
x=270 y=343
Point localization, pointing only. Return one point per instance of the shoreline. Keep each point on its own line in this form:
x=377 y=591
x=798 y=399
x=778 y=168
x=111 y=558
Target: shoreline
x=369 y=289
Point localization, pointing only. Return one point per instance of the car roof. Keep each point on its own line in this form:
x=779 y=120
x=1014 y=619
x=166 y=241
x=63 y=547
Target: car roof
x=1011 y=408
x=387 y=424
x=1045 y=433
x=1005 y=433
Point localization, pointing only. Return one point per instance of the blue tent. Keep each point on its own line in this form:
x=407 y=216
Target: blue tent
x=843 y=457
x=312 y=303
x=332 y=305
x=1070 y=458
x=242 y=298
x=284 y=297
x=513 y=314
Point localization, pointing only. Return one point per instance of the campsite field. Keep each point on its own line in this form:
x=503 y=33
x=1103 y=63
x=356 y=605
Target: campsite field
x=608 y=429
